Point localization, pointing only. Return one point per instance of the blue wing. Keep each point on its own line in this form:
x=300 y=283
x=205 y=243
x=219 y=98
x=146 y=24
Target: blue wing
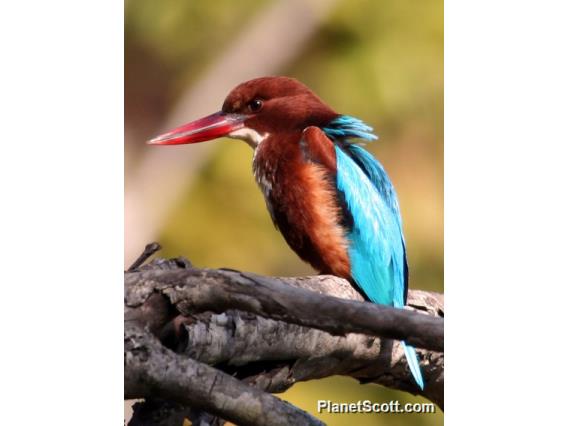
x=376 y=244
x=376 y=250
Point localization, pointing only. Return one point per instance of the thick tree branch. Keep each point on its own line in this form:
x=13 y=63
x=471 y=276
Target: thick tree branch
x=274 y=355
x=198 y=290
x=153 y=369
x=248 y=326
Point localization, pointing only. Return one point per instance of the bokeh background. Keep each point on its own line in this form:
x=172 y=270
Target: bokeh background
x=379 y=60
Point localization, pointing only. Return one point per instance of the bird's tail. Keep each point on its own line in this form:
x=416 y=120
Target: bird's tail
x=412 y=360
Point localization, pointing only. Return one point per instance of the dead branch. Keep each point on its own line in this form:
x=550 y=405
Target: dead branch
x=274 y=332
x=154 y=369
x=199 y=290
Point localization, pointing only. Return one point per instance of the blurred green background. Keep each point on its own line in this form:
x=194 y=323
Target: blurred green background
x=379 y=60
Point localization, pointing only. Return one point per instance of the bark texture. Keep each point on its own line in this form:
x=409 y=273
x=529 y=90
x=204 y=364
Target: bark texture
x=204 y=338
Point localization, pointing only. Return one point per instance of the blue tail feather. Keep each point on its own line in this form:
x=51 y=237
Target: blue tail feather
x=412 y=360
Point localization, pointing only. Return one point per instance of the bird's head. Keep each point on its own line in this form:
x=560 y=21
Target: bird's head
x=255 y=110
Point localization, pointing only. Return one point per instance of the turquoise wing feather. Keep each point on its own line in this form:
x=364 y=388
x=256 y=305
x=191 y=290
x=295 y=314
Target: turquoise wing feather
x=376 y=242
x=377 y=249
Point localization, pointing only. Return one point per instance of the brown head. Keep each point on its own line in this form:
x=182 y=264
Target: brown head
x=254 y=110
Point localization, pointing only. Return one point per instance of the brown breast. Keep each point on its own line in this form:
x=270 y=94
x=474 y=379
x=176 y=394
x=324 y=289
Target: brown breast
x=302 y=200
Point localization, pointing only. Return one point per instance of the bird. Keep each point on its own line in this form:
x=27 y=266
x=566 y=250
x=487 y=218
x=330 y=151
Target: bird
x=328 y=196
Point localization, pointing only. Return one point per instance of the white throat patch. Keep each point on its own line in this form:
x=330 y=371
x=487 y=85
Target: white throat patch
x=250 y=136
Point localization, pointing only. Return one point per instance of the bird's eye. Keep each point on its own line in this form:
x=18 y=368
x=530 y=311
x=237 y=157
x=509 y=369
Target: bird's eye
x=255 y=105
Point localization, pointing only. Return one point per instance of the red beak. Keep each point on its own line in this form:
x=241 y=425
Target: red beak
x=211 y=127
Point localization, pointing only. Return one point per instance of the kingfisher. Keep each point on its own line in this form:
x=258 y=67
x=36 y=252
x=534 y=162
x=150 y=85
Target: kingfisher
x=329 y=197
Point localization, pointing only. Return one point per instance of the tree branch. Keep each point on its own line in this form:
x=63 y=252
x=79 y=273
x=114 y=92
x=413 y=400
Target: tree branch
x=153 y=369
x=274 y=332
x=198 y=290
x=274 y=355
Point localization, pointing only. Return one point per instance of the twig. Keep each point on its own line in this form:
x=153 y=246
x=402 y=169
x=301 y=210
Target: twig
x=149 y=250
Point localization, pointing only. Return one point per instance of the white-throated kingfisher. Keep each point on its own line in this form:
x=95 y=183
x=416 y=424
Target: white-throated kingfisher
x=331 y=199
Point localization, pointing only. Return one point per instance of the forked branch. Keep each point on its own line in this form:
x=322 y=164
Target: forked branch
x=269 y=333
